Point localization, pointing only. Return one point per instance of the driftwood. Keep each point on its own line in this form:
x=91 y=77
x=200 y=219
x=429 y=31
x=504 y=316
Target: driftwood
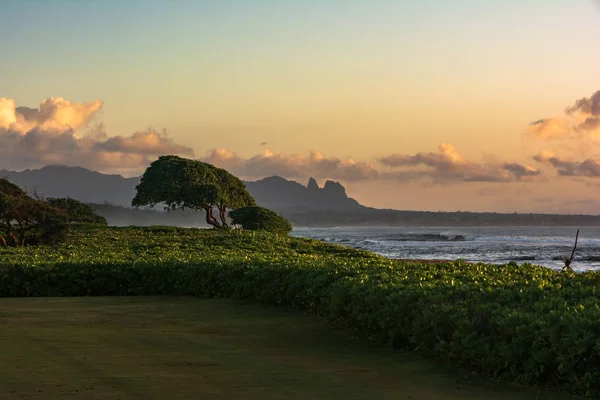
x=569 y=260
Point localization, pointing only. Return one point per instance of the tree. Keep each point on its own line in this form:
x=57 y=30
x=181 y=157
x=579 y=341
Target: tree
x=231 y=193
x=260 y=218
x=27 y=221
x=77 y=211
x=181 y=183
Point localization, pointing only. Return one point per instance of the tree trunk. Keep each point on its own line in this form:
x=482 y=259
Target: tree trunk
x=223 y=216
x=15 y=239
x=210 y=219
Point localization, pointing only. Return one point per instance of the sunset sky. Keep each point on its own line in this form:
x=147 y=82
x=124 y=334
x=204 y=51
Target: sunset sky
x=478 y=105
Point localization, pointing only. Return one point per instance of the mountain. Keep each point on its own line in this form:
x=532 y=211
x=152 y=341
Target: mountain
x=75 y=182
x=89 y=186
x=303 y=205
x=284 y=196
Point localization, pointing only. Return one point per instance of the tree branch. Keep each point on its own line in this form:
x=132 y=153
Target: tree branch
x=570 y=259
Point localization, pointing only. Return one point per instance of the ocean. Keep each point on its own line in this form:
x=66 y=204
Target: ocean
x=546 y=246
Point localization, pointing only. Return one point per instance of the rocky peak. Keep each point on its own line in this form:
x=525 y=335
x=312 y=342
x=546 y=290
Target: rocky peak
x=334 y=189
x=312 y=184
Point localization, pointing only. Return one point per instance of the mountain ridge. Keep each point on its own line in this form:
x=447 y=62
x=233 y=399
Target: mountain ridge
x=92 y=186
x=311 y=205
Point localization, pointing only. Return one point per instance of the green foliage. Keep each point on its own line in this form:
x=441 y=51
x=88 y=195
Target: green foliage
x=521 y=323
x=8 y=188
x=26 y=221
x=232 y=191
x=163 y=182
x=259 y=218
x=77 y=211
x=181 y=183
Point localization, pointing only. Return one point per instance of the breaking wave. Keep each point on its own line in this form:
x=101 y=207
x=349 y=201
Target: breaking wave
x=425 y=237
x=547 y=246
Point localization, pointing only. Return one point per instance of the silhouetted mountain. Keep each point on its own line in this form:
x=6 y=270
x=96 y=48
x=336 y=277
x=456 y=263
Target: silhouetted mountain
x=78 y=183
x=283 y=196
x=88 y=186
x=303 y=205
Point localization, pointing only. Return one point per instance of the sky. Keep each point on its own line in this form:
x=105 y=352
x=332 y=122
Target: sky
x=477 y=105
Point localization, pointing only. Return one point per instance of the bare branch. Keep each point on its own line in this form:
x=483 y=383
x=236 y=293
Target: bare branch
x=570 y=259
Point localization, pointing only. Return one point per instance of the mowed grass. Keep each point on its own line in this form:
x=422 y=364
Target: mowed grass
x=188 y=348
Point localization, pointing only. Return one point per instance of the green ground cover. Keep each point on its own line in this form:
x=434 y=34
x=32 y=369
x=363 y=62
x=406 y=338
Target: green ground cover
x=522 y=323
x=183 y=347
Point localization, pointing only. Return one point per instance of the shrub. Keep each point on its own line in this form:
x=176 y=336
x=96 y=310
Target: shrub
x=77 y=211
x=26 y=221
x=257 y=218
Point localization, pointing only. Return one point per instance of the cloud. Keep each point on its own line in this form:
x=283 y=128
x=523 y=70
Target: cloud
x=287 y=165
x=447 y=156
x=590 y=124
x=581 y=120
x=447 y=165
x=587 y=111
x=56 y=134
x=549 y=128
x=148 y=143
x=586 y=106
x=54 y=115
x=586 y=168
x=519 y=171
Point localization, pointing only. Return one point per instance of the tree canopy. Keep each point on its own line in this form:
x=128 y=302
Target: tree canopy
x=77 y=211
x=25 y=221
x=181 y=183
x=260 y=218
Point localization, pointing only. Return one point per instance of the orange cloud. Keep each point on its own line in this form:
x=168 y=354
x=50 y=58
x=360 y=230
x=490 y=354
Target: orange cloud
x=447 y=165
x=587 y=168
x=286 y=165
x=148 y=142
x=549 y=128
x=33 y=137
x=581 y=121
x=54 y=115
x=586 y=106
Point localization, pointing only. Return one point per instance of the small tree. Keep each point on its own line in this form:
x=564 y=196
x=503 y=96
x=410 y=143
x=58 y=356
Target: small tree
x=24 y=220
x=77 y=211
x=260 y=218
x=181 y=183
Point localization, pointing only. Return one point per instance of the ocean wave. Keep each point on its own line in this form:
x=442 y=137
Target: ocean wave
x=523 y=258
x=591 y=258
x=546 y=246
x=425 y=237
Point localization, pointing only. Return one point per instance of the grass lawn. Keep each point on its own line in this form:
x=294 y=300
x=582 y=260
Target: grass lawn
x=183 y=347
